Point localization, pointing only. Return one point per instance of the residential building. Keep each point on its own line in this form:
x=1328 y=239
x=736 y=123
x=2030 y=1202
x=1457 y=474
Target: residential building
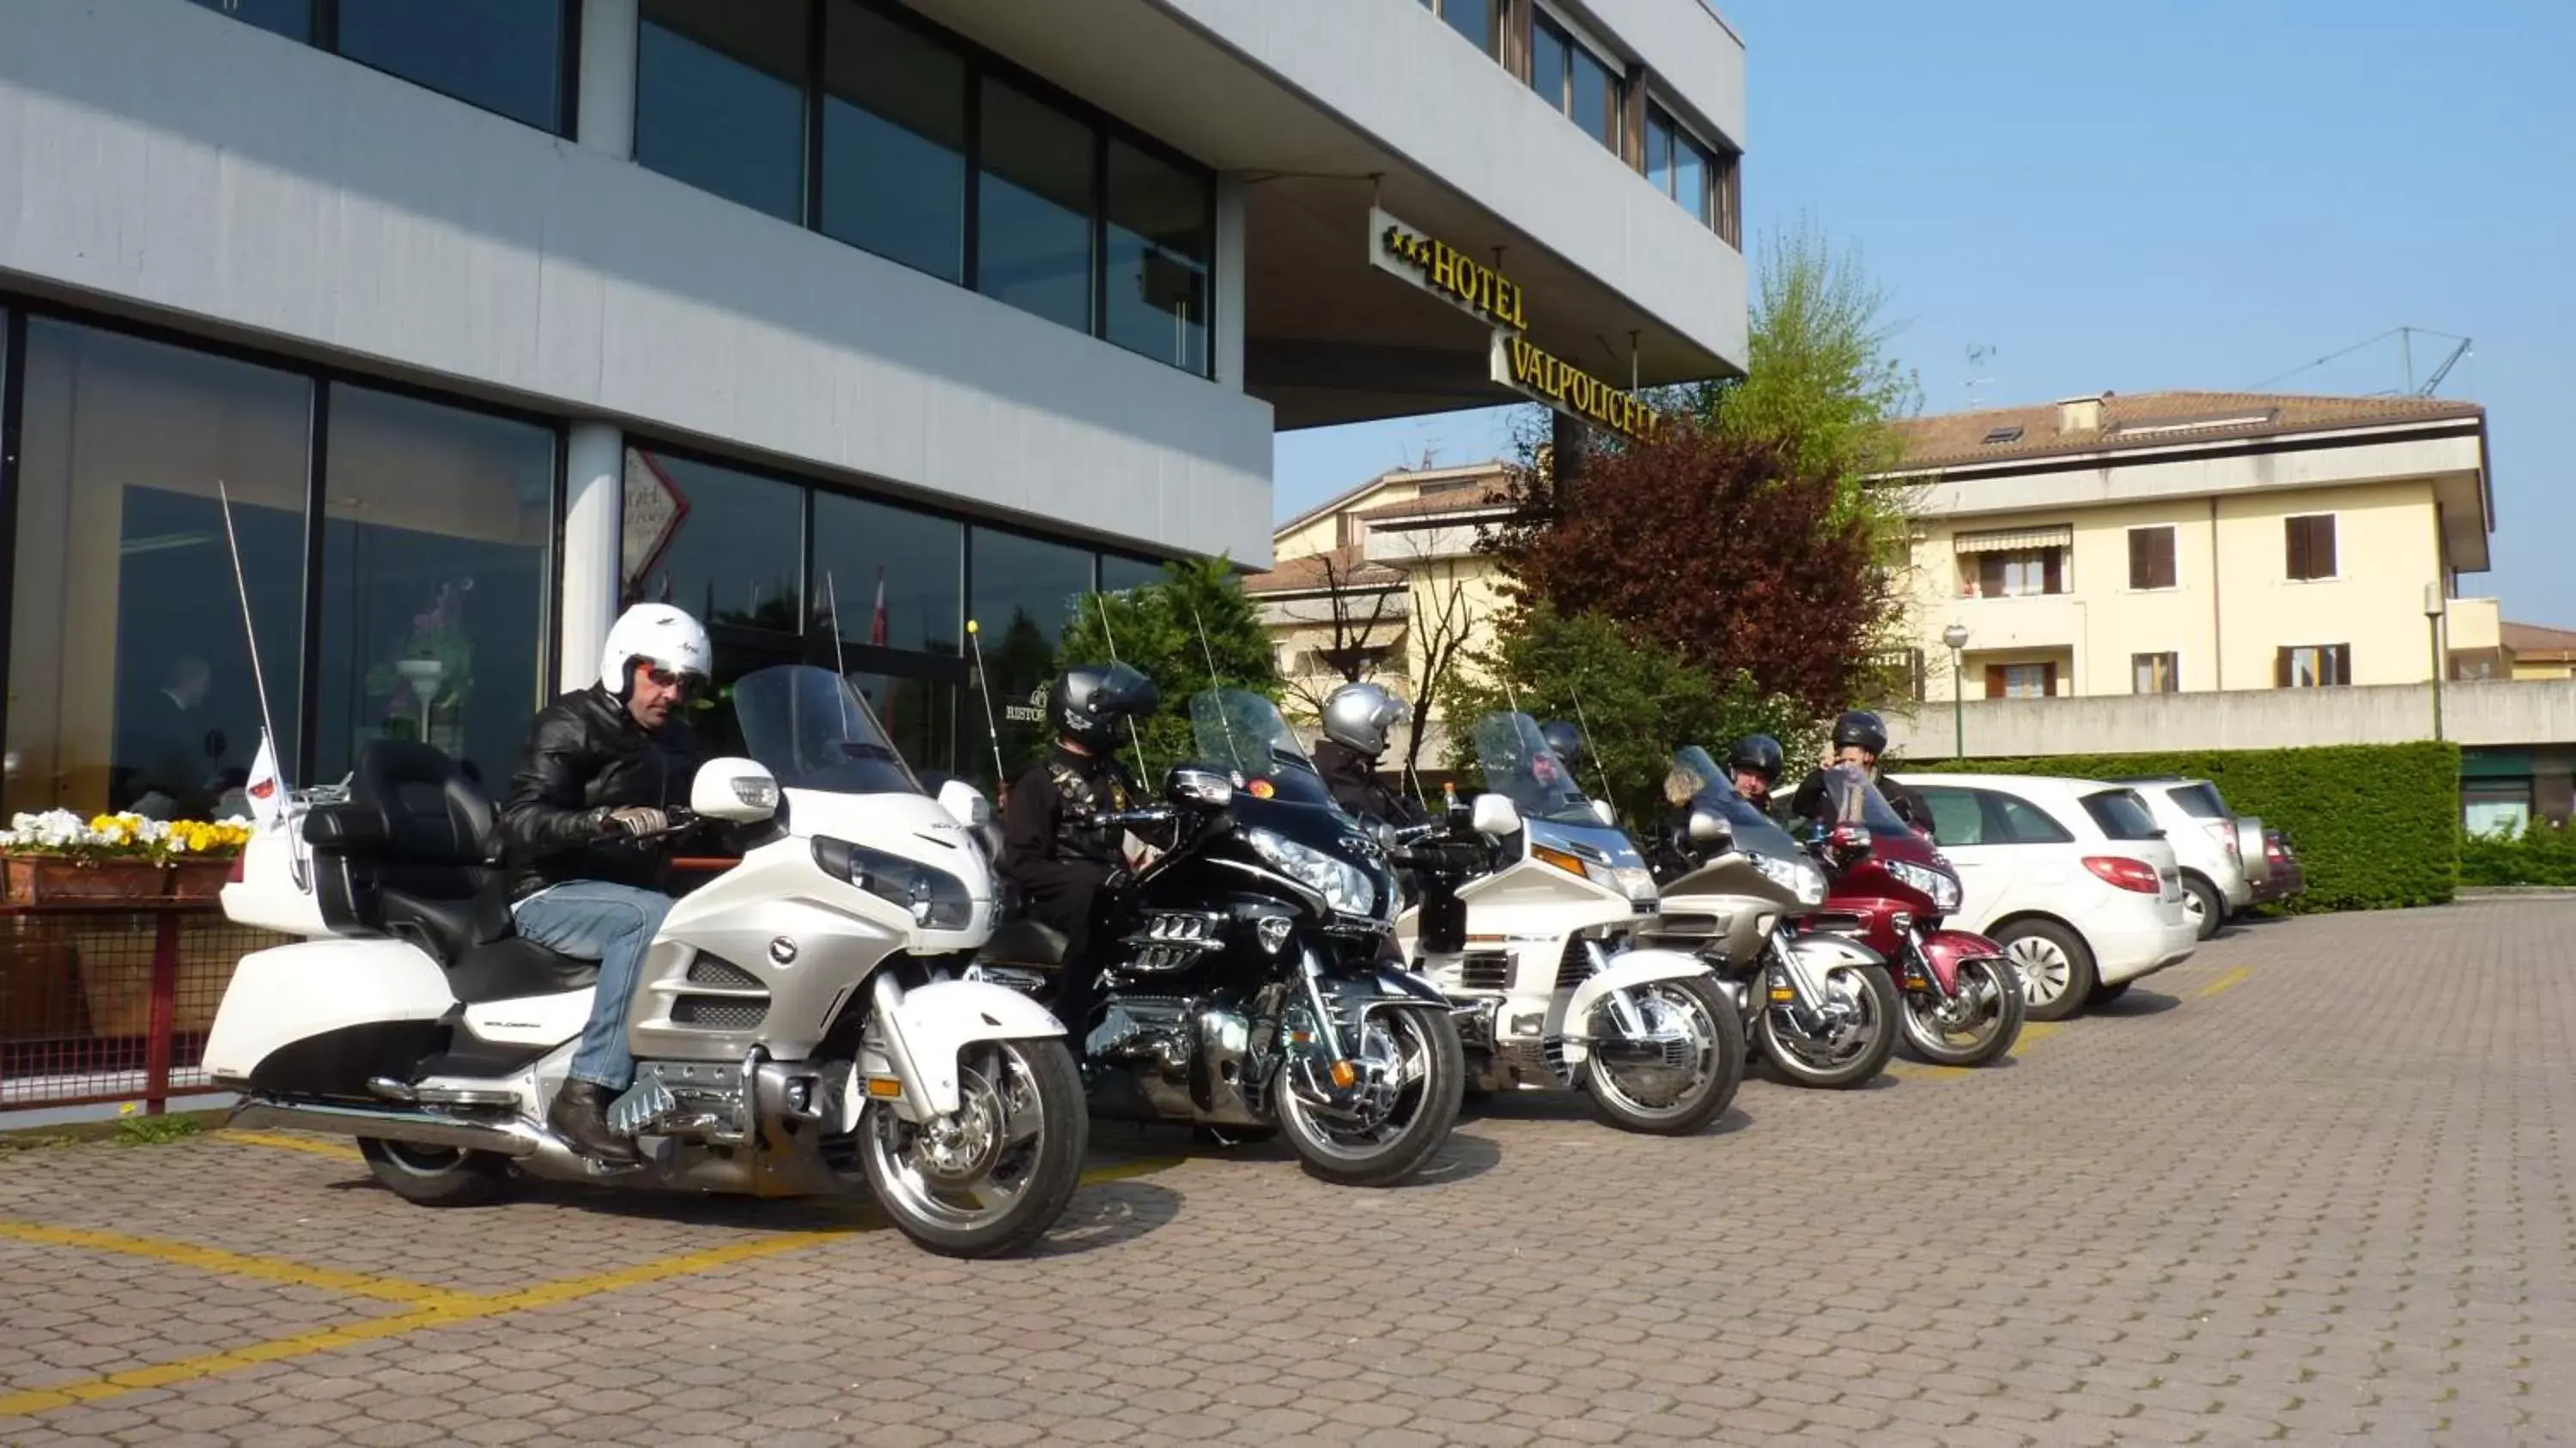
x=851 y=324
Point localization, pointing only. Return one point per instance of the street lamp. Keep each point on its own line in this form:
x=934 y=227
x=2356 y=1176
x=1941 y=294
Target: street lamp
x=2433 y=607
x=1956 y=636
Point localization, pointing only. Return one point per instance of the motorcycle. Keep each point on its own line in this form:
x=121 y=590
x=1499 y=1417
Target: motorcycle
x=1960 y=1000
x=1245 y=971
x=1526 y=900
x=801 y=1024
x=1823 y=1007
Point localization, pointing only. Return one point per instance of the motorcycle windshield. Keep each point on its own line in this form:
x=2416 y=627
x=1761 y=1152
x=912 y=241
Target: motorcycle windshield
x=1243 y=732
x=1755 y=833
x=813 y=731
x=1852 y=798
x=1520 y=767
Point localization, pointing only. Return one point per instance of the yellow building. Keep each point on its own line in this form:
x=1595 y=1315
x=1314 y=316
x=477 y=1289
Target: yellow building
x=2190 y=541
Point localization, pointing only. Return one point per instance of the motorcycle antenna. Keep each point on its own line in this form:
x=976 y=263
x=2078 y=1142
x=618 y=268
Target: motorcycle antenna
x=1133 y=737
x=1205 y=652
x=832 y=600
x=984 y=691
x=1589 y=747
x=259 y=683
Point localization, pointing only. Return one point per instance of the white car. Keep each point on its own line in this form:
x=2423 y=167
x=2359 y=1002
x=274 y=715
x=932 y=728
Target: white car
x=2208 y=843
x=2071 y=876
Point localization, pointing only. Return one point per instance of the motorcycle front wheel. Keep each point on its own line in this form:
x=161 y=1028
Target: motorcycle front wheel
x=986 y=1180
x=1423 y=1067
x=1861 y=1050
x=1682 y=1075
x=1978 y=1027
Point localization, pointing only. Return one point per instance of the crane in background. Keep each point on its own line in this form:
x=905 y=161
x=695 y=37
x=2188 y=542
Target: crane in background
x=2406 y=351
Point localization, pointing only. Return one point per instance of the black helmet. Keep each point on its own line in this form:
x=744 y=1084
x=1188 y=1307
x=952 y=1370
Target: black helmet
x=1757 y=754
x=1565 y=740
x=1862 y=728
x=1088 y=701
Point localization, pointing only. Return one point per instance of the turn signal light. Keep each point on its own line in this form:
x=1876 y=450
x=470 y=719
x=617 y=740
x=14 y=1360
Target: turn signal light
x=1345 y=1075
x=884 y=1087
x=2124 y=872
x=1560 y=859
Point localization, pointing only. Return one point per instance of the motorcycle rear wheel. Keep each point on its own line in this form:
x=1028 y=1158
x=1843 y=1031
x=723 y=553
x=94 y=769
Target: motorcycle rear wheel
x=1030 y=1092
x=1413 y=1129
x=1719 y=1036
x=435 y=1176
x=1878 y=997
x=1997 y=1026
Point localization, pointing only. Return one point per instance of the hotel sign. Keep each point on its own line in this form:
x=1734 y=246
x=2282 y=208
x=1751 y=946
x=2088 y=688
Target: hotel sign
x=1483 y=292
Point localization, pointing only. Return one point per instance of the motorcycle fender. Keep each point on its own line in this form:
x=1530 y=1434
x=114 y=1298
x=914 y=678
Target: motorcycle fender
x=294 y=992
x=943 y=1018
x=1628 y=970
x=1814 y=955
x=1945 y=949
x=1393 y=985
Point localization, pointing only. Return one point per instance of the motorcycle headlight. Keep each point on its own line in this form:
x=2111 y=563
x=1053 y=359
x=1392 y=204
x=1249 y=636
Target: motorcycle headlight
x=1799 y=877
x=1344 y=886
x=1938 y=884
x=936 y=899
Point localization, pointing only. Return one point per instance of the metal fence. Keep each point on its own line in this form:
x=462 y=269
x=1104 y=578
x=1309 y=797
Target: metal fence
x=111 y=1002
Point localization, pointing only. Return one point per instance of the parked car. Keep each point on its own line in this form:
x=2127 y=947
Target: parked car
x=2072 y=876
x=2210 y=845
x=2287 y=877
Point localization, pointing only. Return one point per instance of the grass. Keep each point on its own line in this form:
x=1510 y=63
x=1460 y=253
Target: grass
x=135 y=1129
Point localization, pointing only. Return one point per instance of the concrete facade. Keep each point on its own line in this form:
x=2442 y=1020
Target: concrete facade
x=2488 y=713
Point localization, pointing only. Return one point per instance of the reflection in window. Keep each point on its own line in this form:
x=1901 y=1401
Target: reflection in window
x=1034 y=227
x=894 y=141
x=436 y=526
x=1473 y=19
x=1678 y=165
x=1025 y=593
x=502 y=55
x=1574 y=80
x=290 y=18
x=720 y=99
x=895 y=575
x=920 y=716
x=735 y=557
x=129 y=678
x=1159 y=245
x=1119 y=574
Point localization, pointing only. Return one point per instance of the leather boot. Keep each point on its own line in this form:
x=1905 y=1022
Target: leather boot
x=580 y=1116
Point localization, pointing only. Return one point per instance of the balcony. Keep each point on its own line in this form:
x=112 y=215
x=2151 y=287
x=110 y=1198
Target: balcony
x=2008 y=625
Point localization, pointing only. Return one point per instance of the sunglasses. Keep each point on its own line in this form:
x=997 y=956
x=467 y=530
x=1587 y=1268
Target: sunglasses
x=674 y=679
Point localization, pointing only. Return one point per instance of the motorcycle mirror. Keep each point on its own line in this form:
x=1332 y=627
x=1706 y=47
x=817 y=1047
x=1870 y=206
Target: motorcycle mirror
x=1708 y=829
x=1602 y=811
x=1199 y=786
x=1494 y=814
x=737 y=791
x=966 y=804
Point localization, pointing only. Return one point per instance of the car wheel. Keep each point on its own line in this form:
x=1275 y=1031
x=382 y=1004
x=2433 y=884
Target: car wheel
x=2206 y=907
x=2056 y=969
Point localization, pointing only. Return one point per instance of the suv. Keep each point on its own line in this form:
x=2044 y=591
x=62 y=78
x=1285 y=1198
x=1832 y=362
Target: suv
x=2071 y=876
x=2209 y=843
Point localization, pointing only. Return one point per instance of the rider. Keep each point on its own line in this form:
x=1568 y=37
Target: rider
x=586 y=828
x=1754 y=765
x=1051 y=846
x=1859 y=739
x=1356 y=719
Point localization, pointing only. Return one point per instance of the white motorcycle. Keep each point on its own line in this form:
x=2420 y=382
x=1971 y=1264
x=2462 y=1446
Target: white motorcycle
x=1524 y=911
x=809 y=1021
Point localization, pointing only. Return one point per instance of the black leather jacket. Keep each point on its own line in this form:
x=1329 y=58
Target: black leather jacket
x=1353 y=779
x=585 y=756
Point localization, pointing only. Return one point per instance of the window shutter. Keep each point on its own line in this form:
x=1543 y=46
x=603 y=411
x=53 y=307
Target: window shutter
x=1990 y=576
x=2280 y=668
x=2321 y=547
x=2048 y=678
x=2296 y=530
x=2141 y=565
x=2053 y=571
x=1994 y=681
x=2339 y=664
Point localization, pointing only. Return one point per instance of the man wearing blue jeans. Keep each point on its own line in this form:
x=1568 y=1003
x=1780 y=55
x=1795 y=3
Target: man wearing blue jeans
x=588 y=826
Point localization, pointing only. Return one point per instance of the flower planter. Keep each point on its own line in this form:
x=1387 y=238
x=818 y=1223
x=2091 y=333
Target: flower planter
x=40 y=880
x=199 y=879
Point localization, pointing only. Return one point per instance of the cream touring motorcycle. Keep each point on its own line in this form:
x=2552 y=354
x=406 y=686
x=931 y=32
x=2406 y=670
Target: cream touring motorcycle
x=1524 y=911
x=801 y=1025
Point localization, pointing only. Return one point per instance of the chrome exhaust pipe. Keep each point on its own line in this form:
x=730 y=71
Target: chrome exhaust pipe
x=417 y=1128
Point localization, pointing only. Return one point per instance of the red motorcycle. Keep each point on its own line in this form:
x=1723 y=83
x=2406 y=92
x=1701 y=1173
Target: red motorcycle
x=1960 y=1000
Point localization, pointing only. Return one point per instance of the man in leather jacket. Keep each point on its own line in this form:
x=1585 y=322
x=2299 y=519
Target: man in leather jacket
x=1356 y=719
x=1052 y=846
x=1859 y=739
x=586 y=824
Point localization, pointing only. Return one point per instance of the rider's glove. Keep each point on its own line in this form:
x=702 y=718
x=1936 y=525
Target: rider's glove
x=637 y=820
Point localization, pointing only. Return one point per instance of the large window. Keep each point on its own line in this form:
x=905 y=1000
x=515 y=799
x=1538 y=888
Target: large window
x=437 y=529
x=2021 y=681
x=2151 y=558
x=2311 y=546
x=2312 y=666
x=720 y=98
x=1567 y=75
x=893 y=575
x=1161 y=240
x=506 y=56
x=1026 y=590
x=2155 y=674
x=1473 y=19
x=894 y=141
x=2020 y=573
x=1118 y=574
x=735 y=556
x=1035 y=200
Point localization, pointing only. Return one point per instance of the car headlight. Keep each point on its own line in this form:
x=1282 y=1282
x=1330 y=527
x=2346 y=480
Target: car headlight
x=1801 y=878
x=1343 y=885
x=1939 y=884
x=936 y=899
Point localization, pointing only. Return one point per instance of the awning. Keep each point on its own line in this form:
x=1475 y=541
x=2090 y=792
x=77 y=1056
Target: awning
x=2017 y=540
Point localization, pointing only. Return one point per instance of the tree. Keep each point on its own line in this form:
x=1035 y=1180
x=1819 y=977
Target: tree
x=1360 y=601
x=1638 y=702
x=1156 y=629
x=1443 y=625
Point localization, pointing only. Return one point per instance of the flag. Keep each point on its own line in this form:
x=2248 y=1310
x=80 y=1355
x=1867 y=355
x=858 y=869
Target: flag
x=877 y=624
x=266 y=791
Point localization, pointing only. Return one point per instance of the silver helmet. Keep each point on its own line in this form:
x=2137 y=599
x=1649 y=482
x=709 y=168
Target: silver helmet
x=1357 y=716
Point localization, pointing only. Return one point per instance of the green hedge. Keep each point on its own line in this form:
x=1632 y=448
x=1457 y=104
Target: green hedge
x=2542 y=854
x=2375 y=826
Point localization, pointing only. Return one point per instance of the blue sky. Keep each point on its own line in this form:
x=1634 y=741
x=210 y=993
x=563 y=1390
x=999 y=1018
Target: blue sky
x=2201 y=194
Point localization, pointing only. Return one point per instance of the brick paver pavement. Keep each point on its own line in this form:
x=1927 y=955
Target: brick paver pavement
x=2310 y=1184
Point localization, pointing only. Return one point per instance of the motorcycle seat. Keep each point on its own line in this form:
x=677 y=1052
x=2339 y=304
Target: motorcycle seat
x=1025 y=943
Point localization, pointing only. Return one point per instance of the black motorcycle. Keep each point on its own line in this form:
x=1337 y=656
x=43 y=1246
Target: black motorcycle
x=1246 y=975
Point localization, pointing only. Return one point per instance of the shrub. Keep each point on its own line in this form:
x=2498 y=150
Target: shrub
x=2375 y=826
x=2543 y=854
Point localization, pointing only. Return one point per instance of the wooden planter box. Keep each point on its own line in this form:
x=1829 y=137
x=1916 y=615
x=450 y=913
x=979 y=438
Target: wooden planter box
x=41 y=880
x=199 y=879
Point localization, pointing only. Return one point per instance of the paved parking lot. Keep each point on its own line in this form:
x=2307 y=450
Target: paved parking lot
x=2310 y=1184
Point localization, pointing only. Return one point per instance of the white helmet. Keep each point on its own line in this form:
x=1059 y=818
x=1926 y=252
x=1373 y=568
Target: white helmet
x=656 y=633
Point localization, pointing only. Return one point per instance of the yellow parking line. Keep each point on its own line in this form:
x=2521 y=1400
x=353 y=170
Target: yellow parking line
x=433 y=1307
x=2031 y=1033
x=2234 y=977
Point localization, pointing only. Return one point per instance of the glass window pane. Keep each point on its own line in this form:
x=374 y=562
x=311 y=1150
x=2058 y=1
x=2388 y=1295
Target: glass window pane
x=720 y=99
x=1550 y=53
x=290 y=18
x=1034 y=226
x=897 y=576
x=920 y=716
x=130 y=681
x=502 y=55
x=1117 y=574
x=1595 y=99
x=1473 y=19
x=1690 y=176
x=437 y=526
x=894 y=142
x=1659 y=152
x=1025 y=592
x=736 y=555
x=1159 y=250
